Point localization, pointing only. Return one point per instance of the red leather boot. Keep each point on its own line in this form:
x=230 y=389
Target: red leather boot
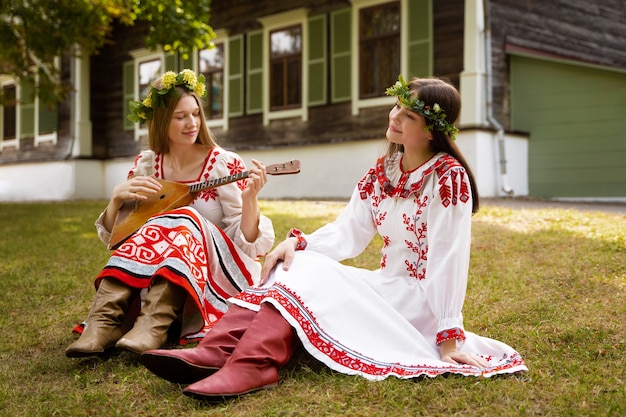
x=184 y=366
x=268 y=344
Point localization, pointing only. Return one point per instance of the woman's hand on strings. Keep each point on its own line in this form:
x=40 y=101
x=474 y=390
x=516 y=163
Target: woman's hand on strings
x=257 y=178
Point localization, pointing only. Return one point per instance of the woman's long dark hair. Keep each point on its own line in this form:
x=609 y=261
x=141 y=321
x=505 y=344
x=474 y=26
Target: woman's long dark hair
x=436 y=90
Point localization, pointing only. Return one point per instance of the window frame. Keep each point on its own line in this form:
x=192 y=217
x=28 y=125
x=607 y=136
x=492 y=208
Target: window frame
x=378 y=43
x=285 y=61
x=405 y=45
x=140 y=131
x=273 y=23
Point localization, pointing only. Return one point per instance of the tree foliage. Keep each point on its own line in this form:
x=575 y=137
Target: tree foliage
x=35 y=32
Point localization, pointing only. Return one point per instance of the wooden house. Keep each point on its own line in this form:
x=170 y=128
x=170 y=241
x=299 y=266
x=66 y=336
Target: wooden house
x=543 y=86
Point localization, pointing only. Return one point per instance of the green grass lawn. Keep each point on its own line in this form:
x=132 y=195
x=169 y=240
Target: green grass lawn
x=551 y=283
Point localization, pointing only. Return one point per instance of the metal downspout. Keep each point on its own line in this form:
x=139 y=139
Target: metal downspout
x=506 y=188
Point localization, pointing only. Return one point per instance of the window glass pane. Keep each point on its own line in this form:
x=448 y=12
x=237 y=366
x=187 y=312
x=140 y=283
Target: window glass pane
x=9 y=114
x=286 y=42
x=286 y=68
x=212 y=66
x=148 y=72
x=379 y=48
x=380 y=21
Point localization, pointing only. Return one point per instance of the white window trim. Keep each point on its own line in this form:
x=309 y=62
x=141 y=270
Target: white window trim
x=221 y=36
x=277 y=21
x=48 y=137
x=6 y=81
x=138 y=55
x=358 y=103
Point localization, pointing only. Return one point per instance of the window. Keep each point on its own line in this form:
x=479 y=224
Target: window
x=379 y=48
x=211 y=63
x=138 y=75
x=24 y=116
x=286 y=68
x=9 y=113
x=148 y=72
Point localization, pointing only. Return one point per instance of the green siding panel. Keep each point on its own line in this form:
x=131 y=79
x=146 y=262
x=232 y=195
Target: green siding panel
x=317 y=37
x=255 y=98
x=27 y=110
x=128 y=87
x=420 y=50
x=48 y=117
x=254 y=102
x=419 y=63
x=575 y=118
x=317 y=84
x=341 y=55
x=342 y=88
x=317 y=60
x=235 y=76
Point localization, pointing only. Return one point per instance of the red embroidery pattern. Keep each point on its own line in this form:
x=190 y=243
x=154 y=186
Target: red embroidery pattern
x=379 y=217
x=157 y=166
x=366 y=185
x=449 y=190
x=417 y=268
x=443 y=167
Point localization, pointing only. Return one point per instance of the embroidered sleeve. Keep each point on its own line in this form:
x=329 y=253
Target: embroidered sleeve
x=144 y=165
x=456 y=333
x=449 y=239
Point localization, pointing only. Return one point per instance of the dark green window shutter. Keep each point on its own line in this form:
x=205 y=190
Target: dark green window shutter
x=171 y=62
x=254 y=81
x=128 y=88
x=341 y=55
x=317 y=60
x=420 y=49
x=48 y=117
x=27 y=110
x=235 y=76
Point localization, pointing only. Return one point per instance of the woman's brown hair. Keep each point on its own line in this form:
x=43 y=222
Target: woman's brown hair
x=437 y=90
x=158 y=140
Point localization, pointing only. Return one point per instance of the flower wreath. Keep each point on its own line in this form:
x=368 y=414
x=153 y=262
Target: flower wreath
x=140 y=111
x=435 y=116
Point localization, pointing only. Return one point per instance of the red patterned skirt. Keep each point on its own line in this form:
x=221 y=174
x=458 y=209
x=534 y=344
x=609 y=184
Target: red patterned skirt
x=184 y=248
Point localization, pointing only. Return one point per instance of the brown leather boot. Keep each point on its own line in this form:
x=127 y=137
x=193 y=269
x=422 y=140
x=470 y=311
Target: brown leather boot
x=184 y=366
x=268 y=344
x=102 y=326
x=161 y=306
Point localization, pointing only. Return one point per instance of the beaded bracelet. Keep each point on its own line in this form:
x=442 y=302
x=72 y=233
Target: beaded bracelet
x=297 y=233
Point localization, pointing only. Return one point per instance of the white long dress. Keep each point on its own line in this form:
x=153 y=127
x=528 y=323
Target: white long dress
x=388 y=321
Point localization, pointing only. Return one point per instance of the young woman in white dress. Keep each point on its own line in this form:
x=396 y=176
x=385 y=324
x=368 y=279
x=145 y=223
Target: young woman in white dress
x=403 y=319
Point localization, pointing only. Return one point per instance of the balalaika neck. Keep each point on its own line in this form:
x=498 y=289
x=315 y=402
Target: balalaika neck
x=216 y=182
